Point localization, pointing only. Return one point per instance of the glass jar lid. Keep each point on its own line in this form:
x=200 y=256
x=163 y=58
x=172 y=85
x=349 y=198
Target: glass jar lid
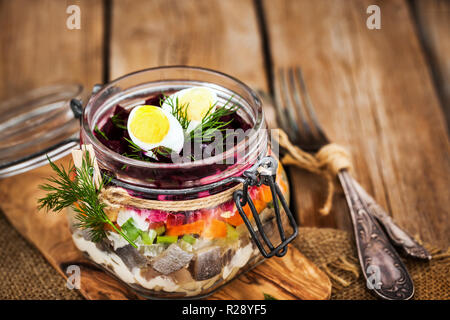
x=35 y=125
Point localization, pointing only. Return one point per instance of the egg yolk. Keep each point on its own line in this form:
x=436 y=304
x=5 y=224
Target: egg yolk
x=199 y=101
x=149 y=124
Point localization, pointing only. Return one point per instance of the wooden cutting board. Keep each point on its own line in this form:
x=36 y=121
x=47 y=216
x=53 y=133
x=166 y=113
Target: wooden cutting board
x=290 y=277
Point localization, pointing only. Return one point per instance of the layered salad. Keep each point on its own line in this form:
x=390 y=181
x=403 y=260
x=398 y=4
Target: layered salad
x=166 y=253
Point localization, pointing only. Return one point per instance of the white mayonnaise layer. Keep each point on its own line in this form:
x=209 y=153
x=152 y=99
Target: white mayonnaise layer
x=112 y=260
x=117 y=240
x=239 y=259
x=119 y=268
x=103 y=258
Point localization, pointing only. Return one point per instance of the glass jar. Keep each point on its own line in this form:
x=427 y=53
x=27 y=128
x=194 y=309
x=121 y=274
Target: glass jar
x=195 y=224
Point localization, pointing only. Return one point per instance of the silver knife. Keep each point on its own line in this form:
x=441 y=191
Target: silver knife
x=397 y=236
x=382 y=267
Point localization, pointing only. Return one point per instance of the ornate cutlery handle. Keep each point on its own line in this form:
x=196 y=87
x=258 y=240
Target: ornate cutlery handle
x=399 y=237
x=381 y=265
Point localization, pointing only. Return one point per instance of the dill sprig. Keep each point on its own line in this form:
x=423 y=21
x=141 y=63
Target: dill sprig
x=133 y=146
x=179 y=111
x=212 y=122
x=135 y=156
x=138 y=152
x=162 y=151
x=268 y=296
x=100 y=132
x=80 y=194
x=118 y=122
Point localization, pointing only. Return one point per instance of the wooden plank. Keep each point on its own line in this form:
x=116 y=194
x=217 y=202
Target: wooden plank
x=292 y=277
x=433 y=19
x=38 y=49
x=373 y=94
x=221 y=35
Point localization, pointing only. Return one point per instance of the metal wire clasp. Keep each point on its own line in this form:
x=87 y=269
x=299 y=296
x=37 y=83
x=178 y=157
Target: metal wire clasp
x=264 y=172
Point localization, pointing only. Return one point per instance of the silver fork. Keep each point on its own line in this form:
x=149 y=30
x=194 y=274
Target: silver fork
x=381 y=265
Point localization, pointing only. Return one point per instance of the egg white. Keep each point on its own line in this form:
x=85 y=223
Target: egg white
x=193 y=123
x=174 y=139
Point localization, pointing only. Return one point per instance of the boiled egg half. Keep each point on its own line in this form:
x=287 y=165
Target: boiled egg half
x=150 y=127
x=196 y=101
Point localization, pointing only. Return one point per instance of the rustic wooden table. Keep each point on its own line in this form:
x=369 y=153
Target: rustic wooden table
x=384 y=94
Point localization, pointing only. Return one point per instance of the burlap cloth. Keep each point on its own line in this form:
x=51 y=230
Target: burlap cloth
x=25 y=274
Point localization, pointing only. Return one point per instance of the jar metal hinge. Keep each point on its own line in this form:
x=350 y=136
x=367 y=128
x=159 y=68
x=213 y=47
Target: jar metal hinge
x=264 y=172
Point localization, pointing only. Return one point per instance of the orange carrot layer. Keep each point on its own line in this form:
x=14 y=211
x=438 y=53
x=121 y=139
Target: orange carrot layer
x=215 y=229
x=190 y=228
x=236 y=219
